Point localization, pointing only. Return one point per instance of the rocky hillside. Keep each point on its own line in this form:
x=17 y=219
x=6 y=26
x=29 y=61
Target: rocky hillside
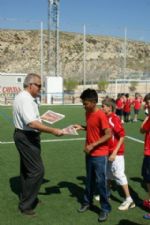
x=20 y=52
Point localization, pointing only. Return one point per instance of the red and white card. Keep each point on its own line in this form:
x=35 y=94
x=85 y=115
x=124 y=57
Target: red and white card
x=51 y=117
x=70 y=130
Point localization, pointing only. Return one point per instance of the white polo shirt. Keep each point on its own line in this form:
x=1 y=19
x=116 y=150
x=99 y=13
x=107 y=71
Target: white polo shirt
x=25 y=110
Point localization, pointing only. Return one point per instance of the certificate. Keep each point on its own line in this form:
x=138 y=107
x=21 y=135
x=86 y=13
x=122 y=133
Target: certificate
x=70 y=130
x=51 y=117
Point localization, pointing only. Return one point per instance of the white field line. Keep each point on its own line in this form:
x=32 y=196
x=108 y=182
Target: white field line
x=69 y=139
x=47 y=141
x=135 y=139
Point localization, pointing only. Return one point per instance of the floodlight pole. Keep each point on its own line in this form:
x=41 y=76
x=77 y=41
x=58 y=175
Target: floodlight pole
x=84 y=57
x=41 y=53
x=41 y=56
x=53 y=37
x=125 y=55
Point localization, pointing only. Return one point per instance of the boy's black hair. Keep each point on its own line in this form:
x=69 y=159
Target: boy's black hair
x=109 y=102
x=89 y=95
x=127 y=95
x=147 y=97
x=137 y=94
x=119 y=95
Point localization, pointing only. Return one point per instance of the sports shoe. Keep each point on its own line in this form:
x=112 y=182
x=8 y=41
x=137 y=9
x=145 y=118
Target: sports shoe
x=102 y=216
x=135 y=120
x=97 y=197
x=147 y=216
x=146 y=203
x=126 y=205
x=84 y=208
x=29 y=212
x=36 y=203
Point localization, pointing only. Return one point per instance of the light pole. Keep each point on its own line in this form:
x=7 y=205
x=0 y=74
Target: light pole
x=84 y=57
x=53 y=37
x=125 y=56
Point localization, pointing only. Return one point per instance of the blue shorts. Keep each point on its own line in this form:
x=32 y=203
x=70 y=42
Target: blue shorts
x=146 y=169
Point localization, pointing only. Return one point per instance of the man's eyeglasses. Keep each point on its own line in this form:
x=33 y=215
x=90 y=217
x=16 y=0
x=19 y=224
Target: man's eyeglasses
x=37 y=85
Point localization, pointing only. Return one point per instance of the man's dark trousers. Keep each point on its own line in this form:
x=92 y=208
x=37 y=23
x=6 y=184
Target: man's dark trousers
x=31 y=166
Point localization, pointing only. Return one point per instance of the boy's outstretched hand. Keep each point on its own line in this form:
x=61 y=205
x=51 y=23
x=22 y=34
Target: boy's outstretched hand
x=78 y=127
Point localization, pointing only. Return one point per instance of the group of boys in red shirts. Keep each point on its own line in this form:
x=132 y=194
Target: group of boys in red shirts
x=124 y=104
x=104 y=151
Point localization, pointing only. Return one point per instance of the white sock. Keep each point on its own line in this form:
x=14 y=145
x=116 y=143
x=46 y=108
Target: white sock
x=129 y=199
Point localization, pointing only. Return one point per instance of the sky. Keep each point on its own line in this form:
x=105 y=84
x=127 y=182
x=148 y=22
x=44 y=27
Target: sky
x=106 y=17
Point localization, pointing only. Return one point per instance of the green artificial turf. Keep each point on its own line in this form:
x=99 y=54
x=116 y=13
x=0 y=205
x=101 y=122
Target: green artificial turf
x=64 y=180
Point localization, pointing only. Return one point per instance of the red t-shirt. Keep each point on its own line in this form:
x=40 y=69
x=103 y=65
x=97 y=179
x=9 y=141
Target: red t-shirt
x=137 y=103
x=146 y=127
x=96 y=123
x=119 y=103
x=117 y=132
x=127 y=105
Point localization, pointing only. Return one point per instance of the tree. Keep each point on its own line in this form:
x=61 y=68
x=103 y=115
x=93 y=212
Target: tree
x=70 y=85
x=133 y=86
x=102 y=85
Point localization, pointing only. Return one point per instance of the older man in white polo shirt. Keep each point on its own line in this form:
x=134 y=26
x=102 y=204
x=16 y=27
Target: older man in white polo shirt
x=28 y=126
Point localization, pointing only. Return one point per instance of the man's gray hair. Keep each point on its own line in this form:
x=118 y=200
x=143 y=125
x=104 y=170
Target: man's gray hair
x=29 y=79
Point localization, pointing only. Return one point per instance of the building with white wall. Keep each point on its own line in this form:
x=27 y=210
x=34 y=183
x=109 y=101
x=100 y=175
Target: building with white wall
x=11 y=83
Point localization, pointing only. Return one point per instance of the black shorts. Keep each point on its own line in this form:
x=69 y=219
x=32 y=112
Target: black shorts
x=136 y=111
x=146 y=169
x=119 y=112
x=126 y=113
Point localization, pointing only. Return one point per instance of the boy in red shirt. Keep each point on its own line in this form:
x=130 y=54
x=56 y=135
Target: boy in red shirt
x=119 y=106
x=145 y=128
x=96 y=149
x=127 y=108
x=137 y=102
x=116 y=167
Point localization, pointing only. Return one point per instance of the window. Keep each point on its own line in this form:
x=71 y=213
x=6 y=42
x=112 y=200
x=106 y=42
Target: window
x=19 y=80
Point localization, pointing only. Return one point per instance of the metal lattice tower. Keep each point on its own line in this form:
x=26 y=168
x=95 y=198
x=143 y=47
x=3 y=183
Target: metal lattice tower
x=53 y=38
